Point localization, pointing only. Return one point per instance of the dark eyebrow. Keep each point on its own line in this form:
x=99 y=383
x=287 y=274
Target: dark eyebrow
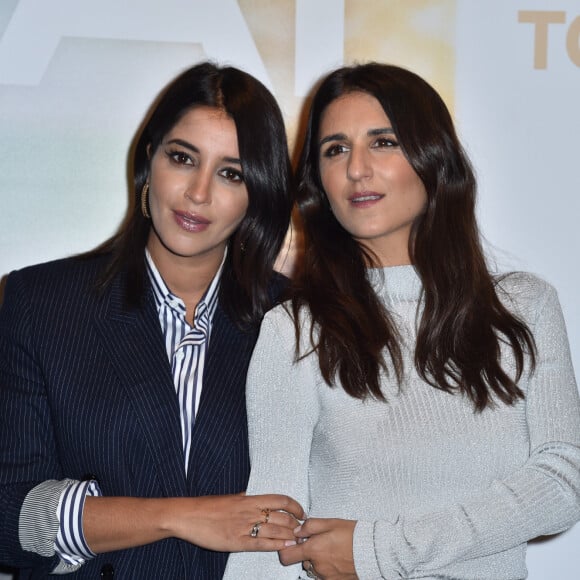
x=234 y=160
x=183 y=144
x=382 y=131
x=370 y=133
x=335 y=137
x=191 y=147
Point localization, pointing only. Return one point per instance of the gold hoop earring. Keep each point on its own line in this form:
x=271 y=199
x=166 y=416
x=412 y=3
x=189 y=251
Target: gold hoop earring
x=144 y=209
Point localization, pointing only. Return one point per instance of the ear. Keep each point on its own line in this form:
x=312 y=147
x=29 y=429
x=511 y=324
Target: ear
x=148 y=151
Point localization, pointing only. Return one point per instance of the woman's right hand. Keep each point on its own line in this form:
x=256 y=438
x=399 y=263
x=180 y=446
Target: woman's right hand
x=221 y=523
x=224 y=523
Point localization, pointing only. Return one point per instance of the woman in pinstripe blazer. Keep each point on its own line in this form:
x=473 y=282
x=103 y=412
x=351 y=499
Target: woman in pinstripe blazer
x=123 y=425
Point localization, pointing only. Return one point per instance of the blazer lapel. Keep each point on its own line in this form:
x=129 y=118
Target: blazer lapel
x=134 y=341
x=221 y=417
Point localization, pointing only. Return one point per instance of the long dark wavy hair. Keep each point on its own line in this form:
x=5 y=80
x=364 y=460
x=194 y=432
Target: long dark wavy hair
x=463 y=324
x=254 y=246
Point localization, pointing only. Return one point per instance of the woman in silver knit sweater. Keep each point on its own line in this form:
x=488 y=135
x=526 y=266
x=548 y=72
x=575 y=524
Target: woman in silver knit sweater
x=422 y=410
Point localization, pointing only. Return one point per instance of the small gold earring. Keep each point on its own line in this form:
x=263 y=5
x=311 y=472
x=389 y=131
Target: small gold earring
x=144 y=192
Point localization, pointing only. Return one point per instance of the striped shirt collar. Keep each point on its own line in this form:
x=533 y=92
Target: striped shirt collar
x=163 y=295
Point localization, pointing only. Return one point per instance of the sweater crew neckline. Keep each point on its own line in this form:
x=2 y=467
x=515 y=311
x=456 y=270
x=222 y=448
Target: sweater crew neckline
x=398 y=282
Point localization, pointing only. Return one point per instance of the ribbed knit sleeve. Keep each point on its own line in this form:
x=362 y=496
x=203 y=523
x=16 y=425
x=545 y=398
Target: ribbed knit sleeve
x=540 y=497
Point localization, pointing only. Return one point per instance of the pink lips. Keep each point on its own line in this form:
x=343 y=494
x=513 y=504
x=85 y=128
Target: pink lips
x=362 y=199
x=190 y=222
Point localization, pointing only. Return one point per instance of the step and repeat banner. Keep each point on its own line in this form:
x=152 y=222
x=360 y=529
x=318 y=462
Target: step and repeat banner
x=76 y=78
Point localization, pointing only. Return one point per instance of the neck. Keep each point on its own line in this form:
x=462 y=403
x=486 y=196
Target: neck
x=186 y=277
x=390 y=251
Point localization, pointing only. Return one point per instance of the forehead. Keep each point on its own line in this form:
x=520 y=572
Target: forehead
x=354 y=109
x=205 y=122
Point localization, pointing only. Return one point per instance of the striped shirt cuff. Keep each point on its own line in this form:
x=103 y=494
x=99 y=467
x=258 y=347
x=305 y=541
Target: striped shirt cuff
x=38 y=523
x=70 y=543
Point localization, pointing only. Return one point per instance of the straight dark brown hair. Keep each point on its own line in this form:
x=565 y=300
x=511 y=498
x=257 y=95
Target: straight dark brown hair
x=463 y=324
x=245 y=291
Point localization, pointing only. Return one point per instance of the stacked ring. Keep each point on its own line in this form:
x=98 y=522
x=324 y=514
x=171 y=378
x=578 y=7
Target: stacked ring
x=256 y=527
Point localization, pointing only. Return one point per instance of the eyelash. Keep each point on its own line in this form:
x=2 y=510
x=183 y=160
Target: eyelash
x=382 y=142
x=181 y=158
x=334 y=150
x=232 y=175
x=386 y=142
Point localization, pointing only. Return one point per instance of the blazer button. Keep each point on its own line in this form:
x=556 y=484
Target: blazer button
x=107 y=572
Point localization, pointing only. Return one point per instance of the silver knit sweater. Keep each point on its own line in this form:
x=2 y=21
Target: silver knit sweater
x=438 y=491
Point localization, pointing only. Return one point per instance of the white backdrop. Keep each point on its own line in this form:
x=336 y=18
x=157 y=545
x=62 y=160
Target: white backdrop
x=77 y=76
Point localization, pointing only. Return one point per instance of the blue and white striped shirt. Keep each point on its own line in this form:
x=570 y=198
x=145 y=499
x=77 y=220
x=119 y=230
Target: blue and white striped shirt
x=70 y=543
x=186 y=348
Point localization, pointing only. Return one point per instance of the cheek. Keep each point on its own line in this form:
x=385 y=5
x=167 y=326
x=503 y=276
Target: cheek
x=236 y=208
x=241 y=214
x=159 y=186
x=157 y=197
x=414 y=190
x=420 y=198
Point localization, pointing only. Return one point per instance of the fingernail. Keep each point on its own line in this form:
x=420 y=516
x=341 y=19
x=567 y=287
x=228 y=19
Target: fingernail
x=289 y=543
x=297 y=530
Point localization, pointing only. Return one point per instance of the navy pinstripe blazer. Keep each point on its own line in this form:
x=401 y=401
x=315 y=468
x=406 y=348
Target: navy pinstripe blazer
x=86 y=388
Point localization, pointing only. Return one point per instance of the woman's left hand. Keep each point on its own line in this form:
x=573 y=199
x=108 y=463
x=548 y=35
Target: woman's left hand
x=324 y=546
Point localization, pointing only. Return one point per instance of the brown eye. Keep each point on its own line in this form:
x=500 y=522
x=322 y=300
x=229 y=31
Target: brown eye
x=385 y=142
x=180 y=157
x=334 y=150
x=232 y=175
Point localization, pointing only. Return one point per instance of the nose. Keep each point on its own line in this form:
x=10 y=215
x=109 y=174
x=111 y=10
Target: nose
x=359 y=164
x=198 y=189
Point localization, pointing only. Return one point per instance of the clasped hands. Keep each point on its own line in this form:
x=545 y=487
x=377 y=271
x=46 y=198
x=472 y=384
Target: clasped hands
x=236 y=523
x=324 y=546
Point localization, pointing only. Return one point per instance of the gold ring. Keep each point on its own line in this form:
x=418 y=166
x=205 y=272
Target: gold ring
x=266 y=514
